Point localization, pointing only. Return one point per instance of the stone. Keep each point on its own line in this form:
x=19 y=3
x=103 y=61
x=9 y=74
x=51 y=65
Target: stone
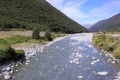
x=102 y=73
x=92 y=63
x=11 y=71
x=7 y=77
x=100 y=53
x=113 y=62
x=93 y=58
x=8 y=68
x=80 y=77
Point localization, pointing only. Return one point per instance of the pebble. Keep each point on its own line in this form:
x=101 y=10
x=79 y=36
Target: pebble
x=7 y=76
x=93 y=58
x=94 y=62
x=80 y=77
x=102 y=73
x=113 y=62
x=118 y=76
x=8 y=68
x=100 y=53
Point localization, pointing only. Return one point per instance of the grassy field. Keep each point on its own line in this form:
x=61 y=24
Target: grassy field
x=19 y=37
x=109 y=42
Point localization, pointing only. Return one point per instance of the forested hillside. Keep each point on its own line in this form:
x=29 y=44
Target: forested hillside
x=108 y=25
x=27 y=14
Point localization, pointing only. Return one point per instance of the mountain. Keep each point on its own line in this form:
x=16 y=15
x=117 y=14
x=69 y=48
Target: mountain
x=88 y=26
x=108 y=25
x=28 y=14
x=97 y=26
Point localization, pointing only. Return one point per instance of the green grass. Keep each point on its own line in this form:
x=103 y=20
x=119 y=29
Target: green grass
x=17 y=39
x=8 y=53
x=108 y=43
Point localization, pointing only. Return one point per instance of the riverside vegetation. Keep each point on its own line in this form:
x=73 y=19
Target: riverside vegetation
x=7 y=42
x=109 y=42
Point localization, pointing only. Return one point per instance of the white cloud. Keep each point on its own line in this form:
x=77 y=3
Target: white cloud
x=106 y=10
x=72 y=8
x=73 y=12
x=56 y=3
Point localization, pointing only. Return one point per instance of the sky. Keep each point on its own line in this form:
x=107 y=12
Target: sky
x=87 y=12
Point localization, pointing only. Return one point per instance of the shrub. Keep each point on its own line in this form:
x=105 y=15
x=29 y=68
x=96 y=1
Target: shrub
x=35 y=34
x=19 y=54
x=48 y=36
x=117 y=52
x=8 y=53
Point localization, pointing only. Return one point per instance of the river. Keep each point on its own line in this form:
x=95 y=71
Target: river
x=72 y=58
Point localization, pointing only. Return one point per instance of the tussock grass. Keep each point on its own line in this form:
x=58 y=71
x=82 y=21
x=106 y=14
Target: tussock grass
x=108 y=43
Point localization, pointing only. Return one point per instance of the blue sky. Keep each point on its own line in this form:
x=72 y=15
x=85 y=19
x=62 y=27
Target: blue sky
x=87 y=11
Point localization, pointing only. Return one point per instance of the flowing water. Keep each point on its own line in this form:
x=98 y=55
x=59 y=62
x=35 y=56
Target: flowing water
x=72 y=58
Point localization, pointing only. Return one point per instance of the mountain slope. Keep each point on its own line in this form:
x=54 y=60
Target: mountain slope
x=35 y=13
x=111 y=24
x=97 y=26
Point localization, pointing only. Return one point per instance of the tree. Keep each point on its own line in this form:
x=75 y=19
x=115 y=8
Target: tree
x=35 y=34
x=48 y=36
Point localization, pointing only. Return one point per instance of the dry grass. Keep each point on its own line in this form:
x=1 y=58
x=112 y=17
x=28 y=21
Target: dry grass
x=4 y=34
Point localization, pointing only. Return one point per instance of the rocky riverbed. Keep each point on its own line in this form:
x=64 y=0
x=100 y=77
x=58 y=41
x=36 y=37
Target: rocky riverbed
x=72 y=58
x=7 y=70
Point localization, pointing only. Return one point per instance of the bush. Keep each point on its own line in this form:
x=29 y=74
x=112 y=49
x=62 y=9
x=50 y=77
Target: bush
x=117 y=52
x=8 y=53
x=35 y=34
x=48 y=36
x=19 y=54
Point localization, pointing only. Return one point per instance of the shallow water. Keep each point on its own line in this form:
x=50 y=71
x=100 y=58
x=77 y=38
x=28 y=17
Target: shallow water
x=68 y=59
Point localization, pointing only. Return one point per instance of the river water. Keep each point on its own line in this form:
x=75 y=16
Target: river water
x=72 y=58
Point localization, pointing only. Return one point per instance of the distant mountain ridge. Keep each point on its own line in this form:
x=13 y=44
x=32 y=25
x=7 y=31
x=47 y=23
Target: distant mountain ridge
x=108 y=25
x=35 y=13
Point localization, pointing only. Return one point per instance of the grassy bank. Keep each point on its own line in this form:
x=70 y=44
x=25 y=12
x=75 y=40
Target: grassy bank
x=19 y=37
x=10 y=39
x=8 y=53
x=109 y=42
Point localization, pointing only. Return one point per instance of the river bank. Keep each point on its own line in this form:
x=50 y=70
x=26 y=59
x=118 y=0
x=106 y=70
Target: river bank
x=108 y=43
x=30 y=49
x=72 y=58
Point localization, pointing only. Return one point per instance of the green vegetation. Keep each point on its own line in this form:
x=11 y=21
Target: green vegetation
x=48 y=36
x=8 y=53
x=27 y=14
x=108 y=42
x=35 y=34
x=17 y=39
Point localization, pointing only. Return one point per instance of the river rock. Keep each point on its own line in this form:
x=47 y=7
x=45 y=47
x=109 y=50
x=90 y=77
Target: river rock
x=8 y=68
x=7 y=77
x=118 y=76
x=100 y=53
x=102 y=73
x=80 y=77
x=113 y=62
x=93 y=58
